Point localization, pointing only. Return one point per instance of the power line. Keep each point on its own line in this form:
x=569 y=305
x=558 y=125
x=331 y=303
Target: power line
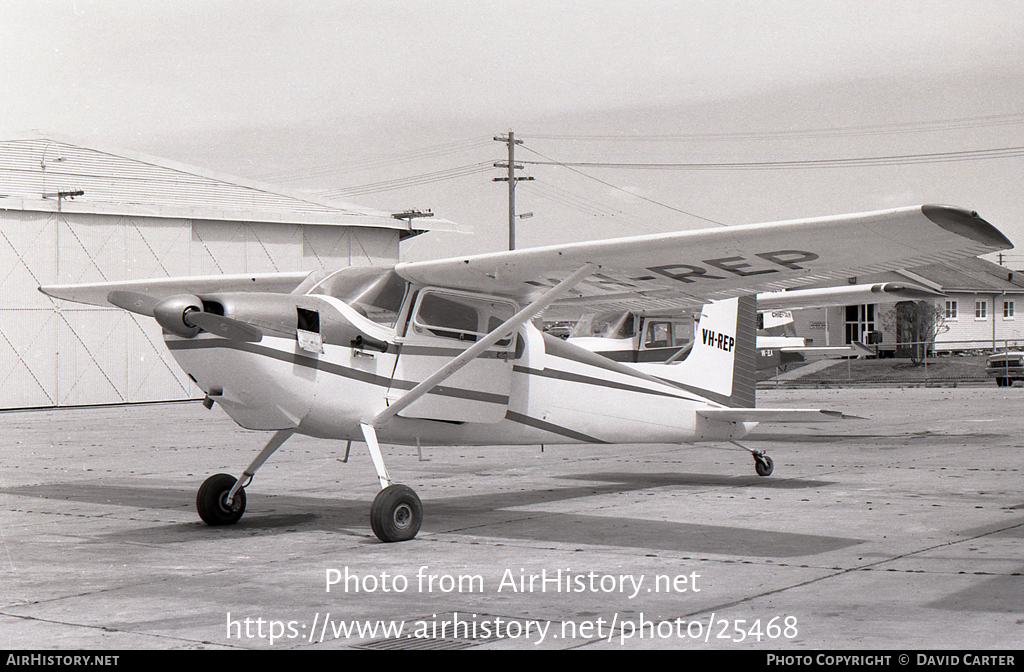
x=896 y=160
x=841 y=131
x=567 y=198
x=387 y=160
x=583 y=204
x=410 y=181
x=570 y=167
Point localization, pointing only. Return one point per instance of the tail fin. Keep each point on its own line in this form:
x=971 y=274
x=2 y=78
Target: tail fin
x=722 y=363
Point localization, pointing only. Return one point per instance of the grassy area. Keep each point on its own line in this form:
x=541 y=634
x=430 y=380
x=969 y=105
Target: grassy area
x=937 y=370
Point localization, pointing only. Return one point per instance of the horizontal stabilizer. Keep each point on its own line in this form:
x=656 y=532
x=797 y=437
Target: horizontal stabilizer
x=774 y=415
x=852 y=350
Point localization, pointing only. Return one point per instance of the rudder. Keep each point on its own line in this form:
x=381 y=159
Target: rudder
x=721 y=365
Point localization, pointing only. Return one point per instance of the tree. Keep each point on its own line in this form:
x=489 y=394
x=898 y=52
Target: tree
x=916 y=324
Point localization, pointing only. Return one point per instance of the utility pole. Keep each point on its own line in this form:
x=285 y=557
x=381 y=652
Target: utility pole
x=511 y=141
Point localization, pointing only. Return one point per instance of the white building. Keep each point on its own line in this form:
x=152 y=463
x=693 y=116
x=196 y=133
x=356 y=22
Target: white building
x=979 y=310
x=76 y=214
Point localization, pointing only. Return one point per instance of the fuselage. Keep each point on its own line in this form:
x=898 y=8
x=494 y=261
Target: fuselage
x=529 y=389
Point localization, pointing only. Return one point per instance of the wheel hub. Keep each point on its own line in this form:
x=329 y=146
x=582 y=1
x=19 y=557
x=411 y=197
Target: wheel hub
x=402 y=516
x=223 y=502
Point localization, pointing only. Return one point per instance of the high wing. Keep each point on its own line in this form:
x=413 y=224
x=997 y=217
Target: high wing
x=668 y=272
x=652 y=273
x=98 y=294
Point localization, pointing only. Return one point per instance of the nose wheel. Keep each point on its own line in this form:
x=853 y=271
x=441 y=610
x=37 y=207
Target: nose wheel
x=221 y=499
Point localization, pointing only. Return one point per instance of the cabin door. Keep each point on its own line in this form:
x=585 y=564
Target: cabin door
x=441 y=326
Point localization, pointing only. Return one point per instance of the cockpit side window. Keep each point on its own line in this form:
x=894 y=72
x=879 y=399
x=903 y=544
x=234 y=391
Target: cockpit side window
x=659 y=335
x=464 y=318
x=442 y=316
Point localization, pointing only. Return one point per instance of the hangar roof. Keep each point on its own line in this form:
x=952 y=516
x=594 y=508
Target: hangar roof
x=35 y=171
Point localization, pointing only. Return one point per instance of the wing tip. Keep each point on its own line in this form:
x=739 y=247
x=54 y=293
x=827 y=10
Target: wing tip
x=966 y=223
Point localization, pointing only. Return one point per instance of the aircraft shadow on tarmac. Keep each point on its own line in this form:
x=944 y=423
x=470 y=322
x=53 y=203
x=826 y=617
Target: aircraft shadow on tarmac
x=898 y=440
x=1000 y=594
x=496 y=515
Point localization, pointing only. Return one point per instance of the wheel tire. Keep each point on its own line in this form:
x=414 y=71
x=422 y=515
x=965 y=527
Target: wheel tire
x=210 y=501
x=1000 y=382
x=763 y=465
x=396 y=513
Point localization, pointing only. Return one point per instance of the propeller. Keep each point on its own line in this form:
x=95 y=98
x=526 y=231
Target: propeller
x=133 y=302
x=183 y=315
x=233 y=330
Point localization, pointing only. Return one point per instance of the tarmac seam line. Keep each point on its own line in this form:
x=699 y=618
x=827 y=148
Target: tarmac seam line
x=802 y=584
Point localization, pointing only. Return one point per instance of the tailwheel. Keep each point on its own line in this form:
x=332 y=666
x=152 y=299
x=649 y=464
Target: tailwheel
x=211 y=501
x=763 y=464
x=396 y=513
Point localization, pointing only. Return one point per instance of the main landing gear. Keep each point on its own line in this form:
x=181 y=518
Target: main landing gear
x=212 y=501
x=763 y=464
x=395 y=515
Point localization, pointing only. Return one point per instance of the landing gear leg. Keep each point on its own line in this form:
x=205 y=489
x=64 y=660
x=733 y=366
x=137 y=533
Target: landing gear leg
x=763 y=464
x=396 y=513
x=221 y=497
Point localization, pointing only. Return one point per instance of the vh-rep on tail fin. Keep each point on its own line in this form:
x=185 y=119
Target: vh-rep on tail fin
x=721 y=365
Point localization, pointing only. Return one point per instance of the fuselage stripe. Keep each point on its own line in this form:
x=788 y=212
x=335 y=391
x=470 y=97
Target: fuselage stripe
x=334 y=369
x=589 y=380
x=549 y=427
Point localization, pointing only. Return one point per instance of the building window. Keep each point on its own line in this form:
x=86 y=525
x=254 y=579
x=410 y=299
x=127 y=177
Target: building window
x=980 y=309
x=1007 y=310
x=859 y=321
x=950 y=312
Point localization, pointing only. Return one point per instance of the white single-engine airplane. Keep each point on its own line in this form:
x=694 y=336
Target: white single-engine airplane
x=444 y=352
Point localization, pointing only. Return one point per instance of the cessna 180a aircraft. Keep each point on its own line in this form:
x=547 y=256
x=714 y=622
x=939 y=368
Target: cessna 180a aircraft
x=445 y=352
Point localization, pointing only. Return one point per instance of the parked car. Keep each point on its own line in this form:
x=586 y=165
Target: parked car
x=1006 y=367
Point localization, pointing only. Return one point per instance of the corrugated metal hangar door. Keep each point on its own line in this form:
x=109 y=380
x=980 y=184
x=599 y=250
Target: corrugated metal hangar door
x=55 y=353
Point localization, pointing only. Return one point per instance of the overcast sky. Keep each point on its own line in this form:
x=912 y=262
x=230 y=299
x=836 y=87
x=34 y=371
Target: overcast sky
x=311 y=95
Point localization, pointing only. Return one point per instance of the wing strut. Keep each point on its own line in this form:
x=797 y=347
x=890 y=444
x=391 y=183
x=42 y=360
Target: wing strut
x=508 y=327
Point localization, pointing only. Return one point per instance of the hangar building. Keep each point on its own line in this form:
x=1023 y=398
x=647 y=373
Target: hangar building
x=76 y=214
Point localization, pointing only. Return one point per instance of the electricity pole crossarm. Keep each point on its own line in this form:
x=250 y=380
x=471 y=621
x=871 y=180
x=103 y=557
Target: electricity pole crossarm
x=512 y=167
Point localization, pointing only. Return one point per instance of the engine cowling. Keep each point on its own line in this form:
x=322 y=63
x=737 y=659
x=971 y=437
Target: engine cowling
x=172 y=314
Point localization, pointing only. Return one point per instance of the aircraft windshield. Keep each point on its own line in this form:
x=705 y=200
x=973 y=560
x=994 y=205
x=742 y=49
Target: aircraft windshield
x=605 y=325
x=375 y=292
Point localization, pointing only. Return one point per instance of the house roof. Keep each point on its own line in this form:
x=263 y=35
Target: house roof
x=40 y=172
x=971 y=275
